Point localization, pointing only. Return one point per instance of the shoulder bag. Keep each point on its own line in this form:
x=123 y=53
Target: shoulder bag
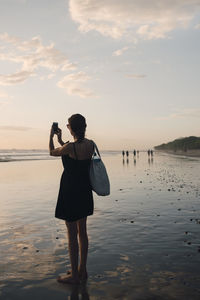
x=98 y=175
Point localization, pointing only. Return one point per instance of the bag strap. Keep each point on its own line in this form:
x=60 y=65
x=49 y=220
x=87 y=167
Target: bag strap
x=75 y=151
x=95 y=149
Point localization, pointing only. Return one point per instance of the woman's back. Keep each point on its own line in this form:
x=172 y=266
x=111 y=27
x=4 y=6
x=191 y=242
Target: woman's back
x=81 y=150
x=75 y=200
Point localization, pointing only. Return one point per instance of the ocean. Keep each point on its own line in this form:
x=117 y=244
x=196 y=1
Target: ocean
x=34 y=154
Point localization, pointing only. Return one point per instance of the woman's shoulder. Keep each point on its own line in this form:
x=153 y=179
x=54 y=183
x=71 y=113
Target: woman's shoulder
x=66 y=148
x=83 y=149
x=68 y=145
x=89 y=142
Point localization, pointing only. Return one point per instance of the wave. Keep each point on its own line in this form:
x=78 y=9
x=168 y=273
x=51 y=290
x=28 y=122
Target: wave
x=24 y=155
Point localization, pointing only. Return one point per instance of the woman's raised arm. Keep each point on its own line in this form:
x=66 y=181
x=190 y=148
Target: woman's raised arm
x=60 y=150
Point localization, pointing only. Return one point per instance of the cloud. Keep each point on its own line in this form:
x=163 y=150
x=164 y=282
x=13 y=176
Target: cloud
x=71 y=84
x=69 y=66
x=9 y=38
x=80 y=76
x=79 y=91
x=146 y=19
x=119 y=52
x=15 y=78
x=136 y=76
x=32 y=55
x=15 y=128
x=184 y=113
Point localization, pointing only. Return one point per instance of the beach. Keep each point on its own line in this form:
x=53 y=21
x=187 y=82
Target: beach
x=144 y=240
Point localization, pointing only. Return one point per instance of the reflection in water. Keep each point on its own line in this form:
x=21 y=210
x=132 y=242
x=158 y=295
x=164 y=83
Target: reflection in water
x=76 y=291
x=150 y=160
x=127 y=162
x=134 y=161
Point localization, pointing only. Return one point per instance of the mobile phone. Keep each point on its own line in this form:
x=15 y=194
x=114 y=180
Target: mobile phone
x=55 y=127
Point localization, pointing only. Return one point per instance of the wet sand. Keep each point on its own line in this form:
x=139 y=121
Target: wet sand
x=144 y=238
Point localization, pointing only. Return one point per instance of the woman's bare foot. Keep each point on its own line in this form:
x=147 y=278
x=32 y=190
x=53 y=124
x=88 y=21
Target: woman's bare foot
x=83 y=275
x=68 y=279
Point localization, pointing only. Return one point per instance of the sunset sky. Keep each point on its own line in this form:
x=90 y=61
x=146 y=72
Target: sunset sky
x=131 y=67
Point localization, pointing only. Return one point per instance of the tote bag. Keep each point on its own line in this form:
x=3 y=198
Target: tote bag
x=98 y=175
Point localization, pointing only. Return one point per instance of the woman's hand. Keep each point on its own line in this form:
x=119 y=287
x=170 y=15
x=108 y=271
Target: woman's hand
x=59 y=134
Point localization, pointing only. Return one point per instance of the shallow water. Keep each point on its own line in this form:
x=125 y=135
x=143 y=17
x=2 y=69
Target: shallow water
x=144 y=238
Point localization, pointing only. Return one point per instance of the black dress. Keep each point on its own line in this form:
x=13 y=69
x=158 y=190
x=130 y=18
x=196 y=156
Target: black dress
x=75 y=199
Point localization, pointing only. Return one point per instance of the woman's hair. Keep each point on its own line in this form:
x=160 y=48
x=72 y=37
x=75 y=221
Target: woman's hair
x=78 y=125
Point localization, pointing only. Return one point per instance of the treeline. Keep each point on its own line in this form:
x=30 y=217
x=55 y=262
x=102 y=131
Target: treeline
x=183 y=144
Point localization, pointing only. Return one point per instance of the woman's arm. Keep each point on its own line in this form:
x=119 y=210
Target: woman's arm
x=56 y=151
x=51 y=143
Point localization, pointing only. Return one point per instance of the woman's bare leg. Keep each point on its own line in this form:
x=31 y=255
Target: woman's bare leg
x=73 y=277
x=83 y=246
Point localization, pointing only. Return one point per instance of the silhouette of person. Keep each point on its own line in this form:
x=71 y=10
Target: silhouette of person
x=134 y=152
x=75 y=199
x=123 y=153
x=127 y=153
x=151 y=152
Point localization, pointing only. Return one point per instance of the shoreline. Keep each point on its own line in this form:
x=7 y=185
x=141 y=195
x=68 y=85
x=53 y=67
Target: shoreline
x=189 y=153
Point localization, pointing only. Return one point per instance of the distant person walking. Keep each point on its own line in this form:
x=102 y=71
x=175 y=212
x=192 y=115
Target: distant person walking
x=151 y=152
x=123 y=153
x=75 y=199
x=134 y=152
x=127 y=154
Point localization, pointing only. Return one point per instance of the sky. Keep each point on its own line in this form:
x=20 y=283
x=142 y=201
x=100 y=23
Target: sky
x=131 y=67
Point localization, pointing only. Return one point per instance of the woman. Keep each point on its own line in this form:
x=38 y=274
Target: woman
x=75 y=199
